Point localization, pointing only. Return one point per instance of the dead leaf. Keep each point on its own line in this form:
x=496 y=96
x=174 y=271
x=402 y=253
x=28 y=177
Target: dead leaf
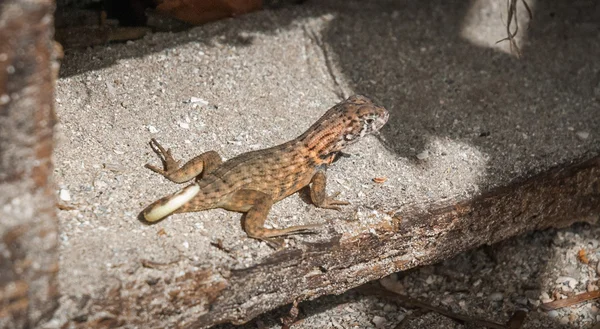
x=202 y=11
x=583 y=256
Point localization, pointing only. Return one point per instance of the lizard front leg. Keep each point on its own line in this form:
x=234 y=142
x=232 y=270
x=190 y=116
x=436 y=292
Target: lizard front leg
x=202 y=164
x=257 y=205
x=319 y=196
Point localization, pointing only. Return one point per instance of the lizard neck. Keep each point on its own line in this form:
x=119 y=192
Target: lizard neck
x=321 y=142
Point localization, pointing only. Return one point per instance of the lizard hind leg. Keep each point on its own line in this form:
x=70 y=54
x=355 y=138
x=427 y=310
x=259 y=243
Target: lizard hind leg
x=257 y=204
x=202 y=164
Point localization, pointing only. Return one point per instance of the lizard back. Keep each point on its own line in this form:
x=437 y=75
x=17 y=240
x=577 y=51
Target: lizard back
x=284 y=169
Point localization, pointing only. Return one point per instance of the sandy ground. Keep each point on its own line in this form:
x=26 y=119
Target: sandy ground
x=466 y=116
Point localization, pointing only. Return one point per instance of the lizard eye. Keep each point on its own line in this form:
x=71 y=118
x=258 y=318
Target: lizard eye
x=369 y=120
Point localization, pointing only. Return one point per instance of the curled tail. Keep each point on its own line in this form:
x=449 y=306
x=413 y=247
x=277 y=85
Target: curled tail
x=163 y=207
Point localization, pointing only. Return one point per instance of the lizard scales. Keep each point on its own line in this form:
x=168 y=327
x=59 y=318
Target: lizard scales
x=253 y=181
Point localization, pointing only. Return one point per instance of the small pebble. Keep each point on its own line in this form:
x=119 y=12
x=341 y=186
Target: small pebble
x=196 y=100
x=389 y=308
x=567 y=281
x=184 y=125
x=583 y=135
x=553 y=313
x=545 y=298
x=496 y=297
x=110 y=88
x=447 y=301
x=423 y=155
x=64 y=195
x=4 y=99
x=534 y=302
x=152 y=129
x=186 y=244
x=379 y=321
x=429 y=280
x=521 y=300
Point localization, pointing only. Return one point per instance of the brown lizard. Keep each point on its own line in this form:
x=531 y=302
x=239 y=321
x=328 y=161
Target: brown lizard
x=253 y=181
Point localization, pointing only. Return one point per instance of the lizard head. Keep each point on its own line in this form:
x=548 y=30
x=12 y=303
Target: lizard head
x=345 y=124
x=362 y=117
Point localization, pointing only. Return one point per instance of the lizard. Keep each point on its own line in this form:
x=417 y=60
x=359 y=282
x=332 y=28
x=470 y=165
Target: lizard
x=252 y=182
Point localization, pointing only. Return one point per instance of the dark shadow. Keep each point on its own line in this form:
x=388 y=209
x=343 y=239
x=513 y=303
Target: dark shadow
x=77 y=61
x=523 y=114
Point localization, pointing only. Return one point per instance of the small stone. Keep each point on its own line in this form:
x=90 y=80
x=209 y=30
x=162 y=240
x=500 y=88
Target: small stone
x=429 y=280
x=447 y=301
x=553 y=314
x=423 y=155
x=591 y=287
x=184 y=125
x=521 y=300
x=583 y=135
x=4 y=99
x=186 y=244
x=496 y=297
x=125 y=103
x=534 y=302
x=110 y=88
x=389 y=308
x=379 y=321
x=196 y=100
x=564 y=320
x=152 y=129
x=64 y=195
x=567 y=281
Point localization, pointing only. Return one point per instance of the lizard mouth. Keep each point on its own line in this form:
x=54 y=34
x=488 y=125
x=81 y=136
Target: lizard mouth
x=381 y=121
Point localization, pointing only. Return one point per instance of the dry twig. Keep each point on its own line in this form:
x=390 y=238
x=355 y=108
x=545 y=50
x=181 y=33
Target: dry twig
x=375 y=289
x=573 y=300
x=512 y=16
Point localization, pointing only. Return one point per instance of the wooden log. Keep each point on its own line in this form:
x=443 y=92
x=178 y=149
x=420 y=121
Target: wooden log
x=28 y=224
